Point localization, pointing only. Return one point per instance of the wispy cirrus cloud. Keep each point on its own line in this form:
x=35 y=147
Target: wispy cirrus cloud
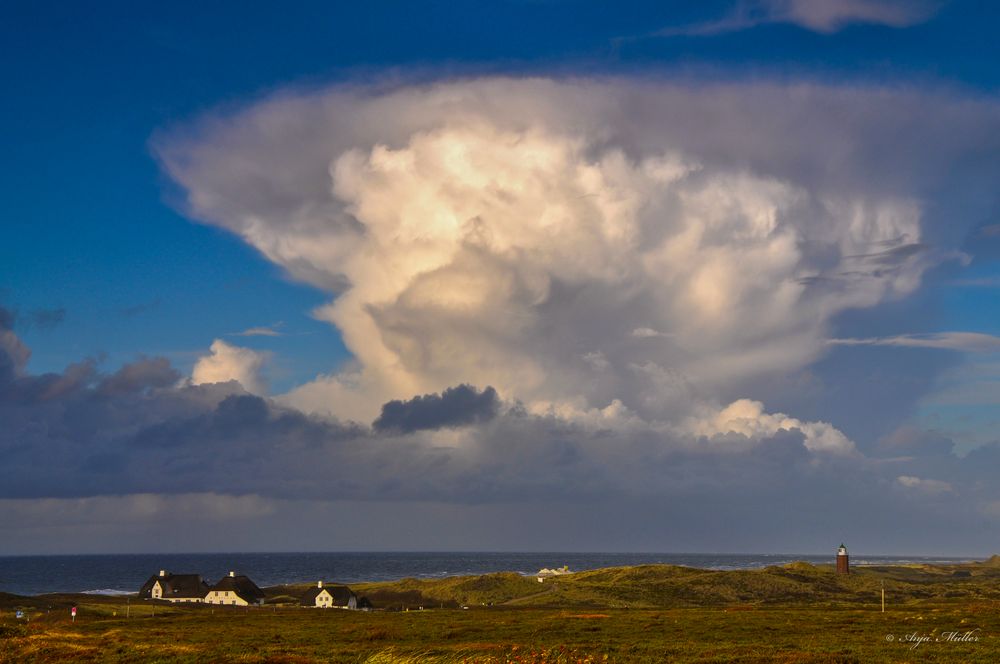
x=824 y=16
x=972 y=342
x=272 y=330
x=923 y=485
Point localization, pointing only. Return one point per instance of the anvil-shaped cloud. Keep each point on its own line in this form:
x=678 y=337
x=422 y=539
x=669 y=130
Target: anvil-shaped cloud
x=517 y=233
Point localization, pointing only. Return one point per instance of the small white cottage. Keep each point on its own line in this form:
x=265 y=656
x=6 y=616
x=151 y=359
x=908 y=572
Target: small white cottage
x=235 y=590
x=330 y=597
x=546 y=573
x=174 y=587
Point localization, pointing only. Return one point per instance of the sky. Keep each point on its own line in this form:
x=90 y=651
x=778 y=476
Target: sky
x=526 y=275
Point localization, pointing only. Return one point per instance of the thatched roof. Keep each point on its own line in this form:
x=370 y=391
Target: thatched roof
x=175 y=586
x=242 y=586
x=341 y=595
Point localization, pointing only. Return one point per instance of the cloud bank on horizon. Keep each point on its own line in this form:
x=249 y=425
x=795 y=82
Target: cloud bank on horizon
x=565 y=292
x=144 y=450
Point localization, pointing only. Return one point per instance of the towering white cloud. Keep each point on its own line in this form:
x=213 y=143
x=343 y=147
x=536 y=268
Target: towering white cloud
x=228 y=362
x=579 y=244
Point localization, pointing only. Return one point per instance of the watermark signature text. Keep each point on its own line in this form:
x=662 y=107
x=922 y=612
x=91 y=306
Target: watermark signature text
x=914 y=639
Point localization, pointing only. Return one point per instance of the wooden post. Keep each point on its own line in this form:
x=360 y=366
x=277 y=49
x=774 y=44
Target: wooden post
x=883 y=597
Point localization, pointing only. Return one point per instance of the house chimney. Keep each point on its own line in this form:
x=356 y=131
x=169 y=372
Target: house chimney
x=232 y=574
x=163 y=572
x=319 y=584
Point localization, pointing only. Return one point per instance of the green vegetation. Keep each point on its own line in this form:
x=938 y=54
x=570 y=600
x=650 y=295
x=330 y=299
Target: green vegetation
x=795 y=613
x=666 y=586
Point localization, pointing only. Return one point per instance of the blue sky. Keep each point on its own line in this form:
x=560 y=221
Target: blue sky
x=120 y=115
x=86 y=214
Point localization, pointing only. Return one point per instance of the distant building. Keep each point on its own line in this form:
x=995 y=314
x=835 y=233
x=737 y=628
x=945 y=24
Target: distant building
x=546 y=573
x=234 y=590
x=174 y=587
x=843 y=561
x=330 y=597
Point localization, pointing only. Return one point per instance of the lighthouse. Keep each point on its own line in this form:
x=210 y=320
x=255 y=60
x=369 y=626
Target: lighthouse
x=843 y=564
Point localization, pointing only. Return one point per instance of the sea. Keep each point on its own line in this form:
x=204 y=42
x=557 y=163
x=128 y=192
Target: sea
x=124 y=574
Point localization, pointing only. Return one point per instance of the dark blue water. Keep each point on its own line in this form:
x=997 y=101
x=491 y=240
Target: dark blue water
x=113 y=574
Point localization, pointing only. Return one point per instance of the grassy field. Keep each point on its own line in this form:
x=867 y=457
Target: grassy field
x=795 y=613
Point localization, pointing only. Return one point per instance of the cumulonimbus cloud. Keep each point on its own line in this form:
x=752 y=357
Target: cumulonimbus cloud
x=608 y=262
x=518 y=233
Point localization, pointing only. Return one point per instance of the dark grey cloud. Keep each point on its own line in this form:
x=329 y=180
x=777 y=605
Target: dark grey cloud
x=456 y=406
x=143 y=374
x=82 y=433
x=909 y=440
x=44 y=319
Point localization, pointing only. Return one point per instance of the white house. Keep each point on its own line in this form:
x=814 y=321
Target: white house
x=330 y=597
x=234 y=590
x=174 y=587
x=546 y=573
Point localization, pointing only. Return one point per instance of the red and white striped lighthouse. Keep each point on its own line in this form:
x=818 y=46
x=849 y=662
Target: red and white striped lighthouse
x=843 y=562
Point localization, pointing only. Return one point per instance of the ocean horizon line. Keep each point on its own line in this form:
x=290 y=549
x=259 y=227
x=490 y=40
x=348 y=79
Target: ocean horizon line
x=948 y=556
x=125 y=573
